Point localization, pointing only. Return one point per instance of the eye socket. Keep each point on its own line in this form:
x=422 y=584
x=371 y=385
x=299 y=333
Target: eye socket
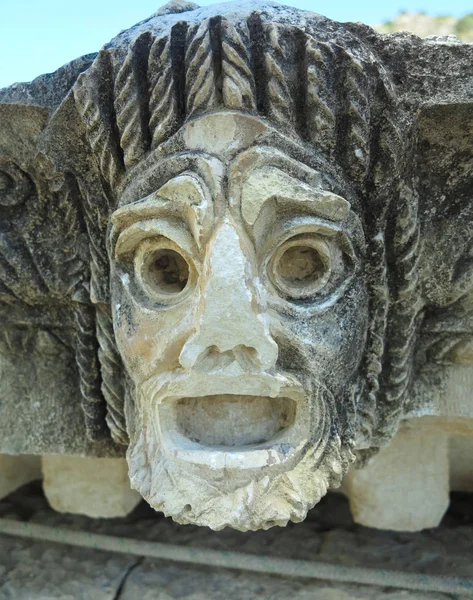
x=166 y=271
x=301 y=266
x=163 y=270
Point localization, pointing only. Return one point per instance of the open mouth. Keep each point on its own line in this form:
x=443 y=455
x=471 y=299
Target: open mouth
x=230 y=420
x=231 y=424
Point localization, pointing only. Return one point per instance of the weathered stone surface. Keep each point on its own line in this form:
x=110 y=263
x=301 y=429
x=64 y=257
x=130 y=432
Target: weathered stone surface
x=47 y=90
x=264 y=263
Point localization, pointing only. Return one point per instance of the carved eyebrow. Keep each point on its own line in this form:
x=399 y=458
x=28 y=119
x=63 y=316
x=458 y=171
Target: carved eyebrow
x=185 y=197
x=133 y=235
x=268 y=182
x=176 y=196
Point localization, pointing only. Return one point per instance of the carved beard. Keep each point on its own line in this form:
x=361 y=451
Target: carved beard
x=249 y=499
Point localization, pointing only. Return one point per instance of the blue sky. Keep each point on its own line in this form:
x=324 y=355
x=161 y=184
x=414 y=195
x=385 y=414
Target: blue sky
x=38 y=36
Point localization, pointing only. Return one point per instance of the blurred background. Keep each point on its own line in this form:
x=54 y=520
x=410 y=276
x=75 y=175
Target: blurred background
x=38 y=36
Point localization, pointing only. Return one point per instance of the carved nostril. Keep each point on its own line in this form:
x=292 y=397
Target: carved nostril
x=247 y=358
x=213 y=358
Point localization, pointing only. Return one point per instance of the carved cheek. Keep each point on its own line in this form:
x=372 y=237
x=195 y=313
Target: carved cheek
x=339 y=335
x=150 y=341
x=157 y=340
x=328 y=345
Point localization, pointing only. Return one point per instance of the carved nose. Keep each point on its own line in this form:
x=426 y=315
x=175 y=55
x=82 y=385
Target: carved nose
x=230 y=325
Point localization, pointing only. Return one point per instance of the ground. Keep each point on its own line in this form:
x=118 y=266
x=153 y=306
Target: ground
x=32 y=570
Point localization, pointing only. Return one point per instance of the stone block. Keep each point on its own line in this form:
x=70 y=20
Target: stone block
x=96 y=487
x=406 y=486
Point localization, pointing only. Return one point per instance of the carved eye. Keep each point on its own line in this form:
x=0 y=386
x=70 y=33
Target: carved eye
x=301 y=266
x=163 y=270
x=167 y=272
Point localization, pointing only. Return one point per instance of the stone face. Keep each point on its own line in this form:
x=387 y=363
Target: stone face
x=222 y=412
x=265 y=254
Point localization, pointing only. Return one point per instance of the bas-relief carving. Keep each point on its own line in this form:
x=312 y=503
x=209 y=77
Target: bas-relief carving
x=256 y=220
x=240 y=262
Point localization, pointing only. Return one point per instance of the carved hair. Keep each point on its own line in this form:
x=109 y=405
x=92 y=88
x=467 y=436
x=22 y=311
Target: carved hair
x=335 y=99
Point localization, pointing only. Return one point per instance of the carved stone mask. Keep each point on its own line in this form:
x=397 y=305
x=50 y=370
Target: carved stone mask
x=236 y=245
x=240 y=313
x=256 y=327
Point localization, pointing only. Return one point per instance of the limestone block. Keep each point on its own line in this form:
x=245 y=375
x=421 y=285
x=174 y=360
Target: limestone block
x=406 y=486
x=15 y=471
x=96 y=487
x=429 y=457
